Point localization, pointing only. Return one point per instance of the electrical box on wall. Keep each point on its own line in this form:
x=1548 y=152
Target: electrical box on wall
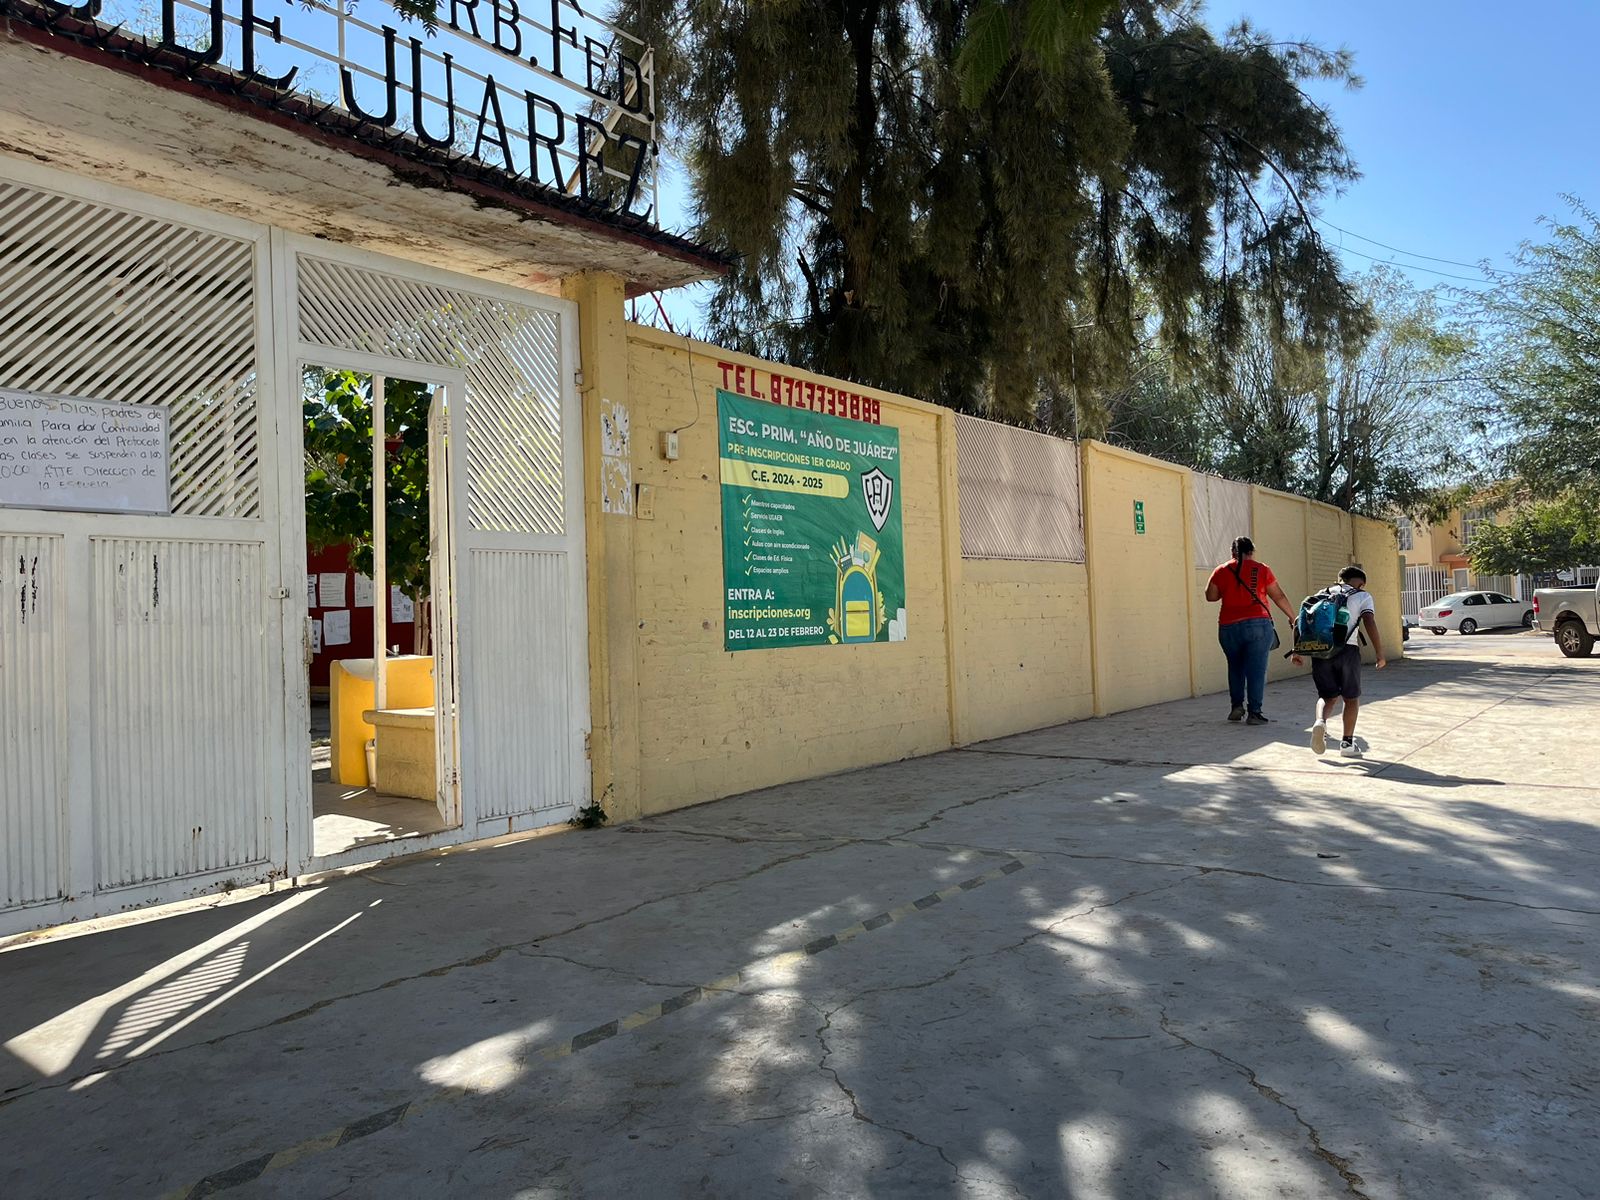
x=669 y=445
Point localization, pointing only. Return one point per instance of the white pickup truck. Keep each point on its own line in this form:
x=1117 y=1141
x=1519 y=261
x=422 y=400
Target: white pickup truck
x=1572 y=615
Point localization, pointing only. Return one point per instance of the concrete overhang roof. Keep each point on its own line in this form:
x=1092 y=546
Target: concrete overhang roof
x=103 y=105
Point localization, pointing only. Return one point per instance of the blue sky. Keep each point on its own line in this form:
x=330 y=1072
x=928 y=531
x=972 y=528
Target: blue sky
x=1474 y=118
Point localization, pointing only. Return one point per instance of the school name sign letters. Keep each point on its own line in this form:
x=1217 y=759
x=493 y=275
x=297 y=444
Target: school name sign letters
x=542 y=90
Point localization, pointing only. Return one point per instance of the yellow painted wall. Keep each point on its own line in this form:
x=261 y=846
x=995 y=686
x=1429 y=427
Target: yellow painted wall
x=1024 y=660
x=995 y=647
x=713 y=722
x=1210 y=668
x=409 y=683
x=1139 y=583
x=1376 y=551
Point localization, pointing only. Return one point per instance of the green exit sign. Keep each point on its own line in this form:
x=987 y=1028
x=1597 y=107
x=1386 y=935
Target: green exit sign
x=1138 y=516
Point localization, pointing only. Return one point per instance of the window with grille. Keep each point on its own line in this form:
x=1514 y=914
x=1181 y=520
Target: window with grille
x=1404 y=532
x=104 y=304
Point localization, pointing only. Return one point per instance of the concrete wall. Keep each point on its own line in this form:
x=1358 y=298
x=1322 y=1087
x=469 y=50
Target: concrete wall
x=994 y=647
x=1375 y=549
x=1139 y=583
x=1283 y=542
x=712 y=723
x=1023 y=647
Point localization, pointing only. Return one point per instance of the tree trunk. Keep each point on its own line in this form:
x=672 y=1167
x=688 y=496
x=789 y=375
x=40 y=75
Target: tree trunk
x=422 y=628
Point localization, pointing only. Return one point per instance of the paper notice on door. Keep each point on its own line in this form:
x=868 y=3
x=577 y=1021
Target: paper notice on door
x=330 y=587
x=336 y=627
x=401 y=609
x=363 y=591
x=311 y=591
x=316 y=637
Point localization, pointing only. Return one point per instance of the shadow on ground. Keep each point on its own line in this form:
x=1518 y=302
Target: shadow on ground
x=1154 y=955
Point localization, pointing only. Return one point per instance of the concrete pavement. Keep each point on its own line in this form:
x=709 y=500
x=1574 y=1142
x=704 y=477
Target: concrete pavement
x=1152 y=956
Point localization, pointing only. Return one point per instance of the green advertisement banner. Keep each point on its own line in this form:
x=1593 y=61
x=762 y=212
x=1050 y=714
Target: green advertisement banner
x=813 y=551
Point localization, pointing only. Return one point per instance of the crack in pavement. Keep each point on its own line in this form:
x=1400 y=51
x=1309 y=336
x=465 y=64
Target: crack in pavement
x=1541 y=682
x=886 y=840
x=1208 y=869
x=605 y=968
x=856 y=1111
x=1215 y=869
x=1353 y=1183
x=1268 y=768
x=978 y=956
x=959 y=804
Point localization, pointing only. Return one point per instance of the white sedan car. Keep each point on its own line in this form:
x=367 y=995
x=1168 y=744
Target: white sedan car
x=1472 y=611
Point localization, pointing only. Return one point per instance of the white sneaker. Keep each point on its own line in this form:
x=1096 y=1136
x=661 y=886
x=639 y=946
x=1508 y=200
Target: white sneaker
x=1350 y=748
x=1319 y=737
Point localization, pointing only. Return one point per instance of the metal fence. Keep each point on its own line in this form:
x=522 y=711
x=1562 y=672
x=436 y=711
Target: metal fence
x=1518 y=587
x=1427 y=585
x=1424 y=585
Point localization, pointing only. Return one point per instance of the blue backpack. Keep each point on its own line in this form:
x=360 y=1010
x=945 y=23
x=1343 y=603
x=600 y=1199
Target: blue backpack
x=1323 y=627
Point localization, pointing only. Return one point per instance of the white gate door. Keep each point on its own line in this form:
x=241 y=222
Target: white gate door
x=516 y=513
x=520 y=619
x=441 y=608
x=141 y=728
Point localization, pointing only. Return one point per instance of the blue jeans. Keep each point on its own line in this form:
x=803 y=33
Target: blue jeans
x=1247 y=644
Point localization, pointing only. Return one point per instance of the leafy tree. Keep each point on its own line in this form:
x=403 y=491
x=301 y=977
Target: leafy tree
x=977 y=201
x=1542 y=360
x=337 y=409
x=1371 y=428
x=1546 y=535
x=1157 y=413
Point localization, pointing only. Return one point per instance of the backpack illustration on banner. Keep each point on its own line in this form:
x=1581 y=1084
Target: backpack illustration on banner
x=1323 y=626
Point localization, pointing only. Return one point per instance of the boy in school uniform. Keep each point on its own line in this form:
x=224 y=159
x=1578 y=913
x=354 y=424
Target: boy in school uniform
x=1338 y=679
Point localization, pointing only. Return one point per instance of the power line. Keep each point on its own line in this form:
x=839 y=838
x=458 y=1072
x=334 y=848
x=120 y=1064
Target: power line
x=1397 y=250
x=1410 y=266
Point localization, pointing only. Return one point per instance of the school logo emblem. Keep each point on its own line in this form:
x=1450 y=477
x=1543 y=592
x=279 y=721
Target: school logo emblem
x=877 y=489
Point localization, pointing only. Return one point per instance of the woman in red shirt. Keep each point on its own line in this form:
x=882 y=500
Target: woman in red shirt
x=1245 y=625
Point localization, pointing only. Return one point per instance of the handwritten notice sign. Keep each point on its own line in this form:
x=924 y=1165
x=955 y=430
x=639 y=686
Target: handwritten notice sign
x=63 y=452
x=336 y=628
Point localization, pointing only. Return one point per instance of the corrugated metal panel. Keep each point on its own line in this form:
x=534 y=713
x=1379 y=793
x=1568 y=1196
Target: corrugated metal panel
x=179 y=721
x=1330 y=544
x=1018 y=492
x=32 y=698
x=117 y=306
x=1222 y=512
x=509 y=353
x=517 y=718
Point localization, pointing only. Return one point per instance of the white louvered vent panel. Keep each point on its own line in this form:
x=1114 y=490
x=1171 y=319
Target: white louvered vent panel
x=110 y=305
x=32 y=690
x=1018 y=493
x=179 y=721
x=1222 y=512
x=510 y=353
x=1330 y=545
x=517 y=709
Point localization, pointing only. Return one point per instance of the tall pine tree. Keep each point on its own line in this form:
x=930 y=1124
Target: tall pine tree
x=981 y=203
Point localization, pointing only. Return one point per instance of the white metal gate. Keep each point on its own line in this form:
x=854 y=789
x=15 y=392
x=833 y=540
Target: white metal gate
x=141 y=736
x=516 y=531
x=150 y=664
x=1423 y=586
